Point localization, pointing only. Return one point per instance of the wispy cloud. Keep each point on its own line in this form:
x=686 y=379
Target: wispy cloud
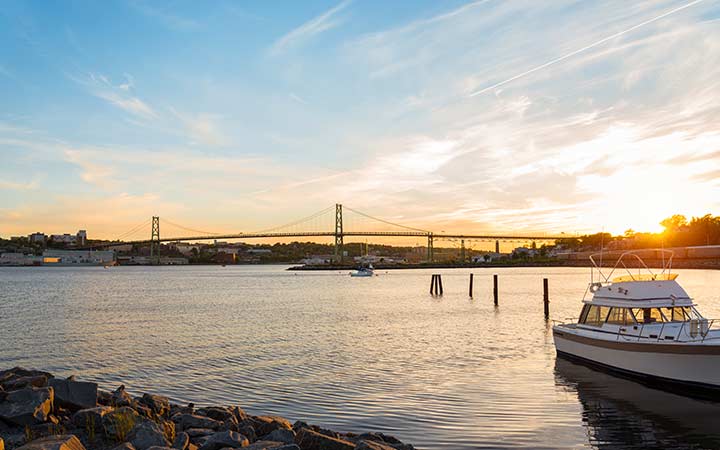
x=583 y=49
x=13 y=186
x=325 y=21
x=169 y=19
x=202 y=128
x=119 y=95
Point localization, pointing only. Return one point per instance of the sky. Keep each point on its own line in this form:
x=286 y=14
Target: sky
x=234 y=116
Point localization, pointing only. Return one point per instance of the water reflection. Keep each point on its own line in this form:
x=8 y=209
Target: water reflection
x=621 y=413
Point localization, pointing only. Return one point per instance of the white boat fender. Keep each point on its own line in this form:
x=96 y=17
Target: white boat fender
x=594 y=287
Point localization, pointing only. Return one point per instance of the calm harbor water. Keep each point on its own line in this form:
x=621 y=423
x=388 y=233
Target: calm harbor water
x=353 y=354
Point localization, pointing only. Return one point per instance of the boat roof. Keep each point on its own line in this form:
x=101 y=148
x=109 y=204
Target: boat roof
x=645 y=277
x=646 y=293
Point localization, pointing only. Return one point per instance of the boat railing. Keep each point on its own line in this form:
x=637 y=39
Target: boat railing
x=689 y=331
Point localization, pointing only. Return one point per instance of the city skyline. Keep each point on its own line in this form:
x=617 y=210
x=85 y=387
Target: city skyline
x=455 y=116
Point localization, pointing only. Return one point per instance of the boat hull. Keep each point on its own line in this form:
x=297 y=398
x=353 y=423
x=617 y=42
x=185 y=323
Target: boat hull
x=696 y=367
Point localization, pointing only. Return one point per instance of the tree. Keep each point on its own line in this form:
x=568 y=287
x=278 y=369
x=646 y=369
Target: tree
x=674 y=223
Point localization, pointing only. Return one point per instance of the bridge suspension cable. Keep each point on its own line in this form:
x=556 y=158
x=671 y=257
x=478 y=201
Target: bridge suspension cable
x=188 y=229
x=133 y=230
x=298 y=222
x=384 y=221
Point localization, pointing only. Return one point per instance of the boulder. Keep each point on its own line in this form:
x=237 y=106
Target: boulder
x=181 y=442
x=157 y=447
x=27 y=381
x=124 y=446
x=224 y=439
x=239 y=414
x=2 y=444
x=373 y=445
x=215 y=412
x=307 y=439
x=74 y=395
x=146 y=434
x=157 y=403
x=268 y=445
x=91 y=417
x=185 y=421
x=280 y=435
x=27 y=406
x=119 y=422
x=63 y=442
x=197 y=432
x=266 y=424
x=120 y=397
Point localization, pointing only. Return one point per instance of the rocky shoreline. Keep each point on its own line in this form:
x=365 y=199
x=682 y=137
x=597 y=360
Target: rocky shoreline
x=41 y=412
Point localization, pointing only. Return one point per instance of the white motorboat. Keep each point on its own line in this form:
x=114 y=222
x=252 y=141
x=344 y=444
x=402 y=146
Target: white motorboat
x=363 y=272
x=643 y=325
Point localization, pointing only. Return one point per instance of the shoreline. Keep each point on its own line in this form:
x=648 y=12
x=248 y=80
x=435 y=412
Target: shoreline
x=40 y=412
x=710 y=264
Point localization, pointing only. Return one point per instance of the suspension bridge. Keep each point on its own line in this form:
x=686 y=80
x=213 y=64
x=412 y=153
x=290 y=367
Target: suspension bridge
x=348 y=222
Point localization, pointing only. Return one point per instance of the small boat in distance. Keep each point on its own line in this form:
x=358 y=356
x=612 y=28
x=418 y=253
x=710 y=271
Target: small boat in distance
x=644 y=326
x=363 y=271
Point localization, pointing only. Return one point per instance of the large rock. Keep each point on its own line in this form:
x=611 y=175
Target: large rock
x=270 y=445
x=215 y=412
x=280 y=435
x=124 y=446
x=373 y=445
x=311 y=440
x=157 y=403
x=74 y=395
x=2 y=444
x=91 y=417
x=185 y=421
x=63 y=442
x=119 y=422
x=147 y=434
x=120 y=397
x=181 y=442
x=24 y=382
x=224 y=439
x=268 y=424
x=27 y=406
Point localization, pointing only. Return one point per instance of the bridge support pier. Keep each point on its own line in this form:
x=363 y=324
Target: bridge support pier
x=497 y=246
x=462 y=251
x=338 y=233
x=430 y=248
x=155 y=241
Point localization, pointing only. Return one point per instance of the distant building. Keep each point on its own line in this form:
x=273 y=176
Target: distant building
x=487 y=257
x=19 y=259
x=259 y=251
x=81 y=237
x=524 y=252
x=317 y=260
x=64 y=238
x=78 y=257
x=37 y=237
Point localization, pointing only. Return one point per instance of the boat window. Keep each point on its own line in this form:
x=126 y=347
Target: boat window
x=620 y=316
x=677 y=314
x=648 y=315
x=596 y=315
x=584 y=313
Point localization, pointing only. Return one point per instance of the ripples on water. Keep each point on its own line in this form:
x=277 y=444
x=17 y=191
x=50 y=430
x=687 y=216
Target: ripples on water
x=353 y=354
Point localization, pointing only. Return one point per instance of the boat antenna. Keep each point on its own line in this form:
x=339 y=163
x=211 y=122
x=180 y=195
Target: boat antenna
x=602 y=245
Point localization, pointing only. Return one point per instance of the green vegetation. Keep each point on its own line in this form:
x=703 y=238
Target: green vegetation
x=678 y=232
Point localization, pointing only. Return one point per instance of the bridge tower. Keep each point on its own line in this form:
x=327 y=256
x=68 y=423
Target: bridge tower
x=462 y=251
x=430 y=248
x=155 y=241
x=338 y=232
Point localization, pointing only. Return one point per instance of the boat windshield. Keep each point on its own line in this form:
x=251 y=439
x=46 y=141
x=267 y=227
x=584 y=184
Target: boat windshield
x=598 y=315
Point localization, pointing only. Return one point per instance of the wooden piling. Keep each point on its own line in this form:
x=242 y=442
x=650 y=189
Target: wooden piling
x=495 y=289
x=546 y=298
x=470 y=289
x=436 y=287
